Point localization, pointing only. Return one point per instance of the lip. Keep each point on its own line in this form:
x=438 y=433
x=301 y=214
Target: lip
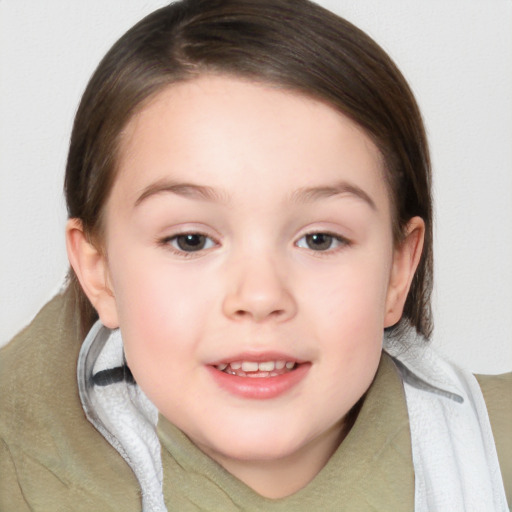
x=259 y=388
x=258 y=357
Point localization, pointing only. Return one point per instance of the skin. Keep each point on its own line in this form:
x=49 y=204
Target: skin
x=259 y=284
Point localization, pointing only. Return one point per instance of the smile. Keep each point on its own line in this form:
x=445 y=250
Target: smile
x=266 y=378
x=254 y=369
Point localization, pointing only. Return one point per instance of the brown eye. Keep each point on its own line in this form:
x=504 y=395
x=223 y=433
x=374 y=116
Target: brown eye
x=191 y=242
x=321 y=242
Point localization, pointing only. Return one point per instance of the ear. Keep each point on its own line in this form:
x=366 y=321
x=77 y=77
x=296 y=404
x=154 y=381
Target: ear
x=91 y=268
x=406 y=257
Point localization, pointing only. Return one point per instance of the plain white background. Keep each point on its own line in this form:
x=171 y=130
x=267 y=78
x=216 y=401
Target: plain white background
x=457 y=56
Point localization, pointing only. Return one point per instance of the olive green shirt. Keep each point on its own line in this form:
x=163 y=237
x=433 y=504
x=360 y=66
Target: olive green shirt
x=52 y=459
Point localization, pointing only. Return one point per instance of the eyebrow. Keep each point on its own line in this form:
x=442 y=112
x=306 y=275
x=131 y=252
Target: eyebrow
x=205 y=193
x=310 y=194
x=189 y=190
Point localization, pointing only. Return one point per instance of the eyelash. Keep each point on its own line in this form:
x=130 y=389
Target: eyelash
x=341 y=242
x=168 y=242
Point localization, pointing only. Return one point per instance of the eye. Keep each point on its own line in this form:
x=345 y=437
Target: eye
x=190 y=242
x=321 y=241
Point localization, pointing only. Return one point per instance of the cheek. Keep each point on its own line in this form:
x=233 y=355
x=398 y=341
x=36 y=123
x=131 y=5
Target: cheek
x=352 y=293
x=162 y=328
x=149 y=288
x=346 y=310
x=163 y=310
x=349 y=326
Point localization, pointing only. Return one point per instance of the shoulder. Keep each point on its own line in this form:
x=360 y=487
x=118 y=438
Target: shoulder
x=36 y=360
x=48 y=447
x=497 y=392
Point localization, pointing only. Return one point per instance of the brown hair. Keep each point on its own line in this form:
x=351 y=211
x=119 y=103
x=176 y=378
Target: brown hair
x=293 y=44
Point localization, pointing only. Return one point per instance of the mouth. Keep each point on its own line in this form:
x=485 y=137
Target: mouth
x=257 y=370
x=259 y=377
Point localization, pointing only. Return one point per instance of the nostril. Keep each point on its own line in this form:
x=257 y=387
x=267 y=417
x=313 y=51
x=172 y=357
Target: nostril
x=259 y=315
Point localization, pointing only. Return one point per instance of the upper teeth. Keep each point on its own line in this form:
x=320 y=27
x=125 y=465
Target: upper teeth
x=253 y=366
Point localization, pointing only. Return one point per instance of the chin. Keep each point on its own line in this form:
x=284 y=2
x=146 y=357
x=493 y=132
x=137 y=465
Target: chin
x=251 y=453
x=262 y=447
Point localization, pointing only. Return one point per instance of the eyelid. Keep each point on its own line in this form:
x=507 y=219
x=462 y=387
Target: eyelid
x=177 y=237
x=341 y=239
x=165 y=241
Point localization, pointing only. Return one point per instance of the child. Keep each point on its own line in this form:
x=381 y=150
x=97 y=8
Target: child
x=249 y=212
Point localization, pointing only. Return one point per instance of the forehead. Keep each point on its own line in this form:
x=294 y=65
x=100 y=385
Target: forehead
x=241 y=136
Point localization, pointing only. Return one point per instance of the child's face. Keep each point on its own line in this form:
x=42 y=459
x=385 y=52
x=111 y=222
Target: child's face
x=251 y=225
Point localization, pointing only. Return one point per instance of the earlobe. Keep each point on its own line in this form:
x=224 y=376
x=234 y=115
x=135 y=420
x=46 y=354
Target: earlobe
x=91 y=269
x=405 y=261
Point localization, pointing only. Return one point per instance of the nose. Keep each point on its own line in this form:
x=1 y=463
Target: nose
x=257 y=290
